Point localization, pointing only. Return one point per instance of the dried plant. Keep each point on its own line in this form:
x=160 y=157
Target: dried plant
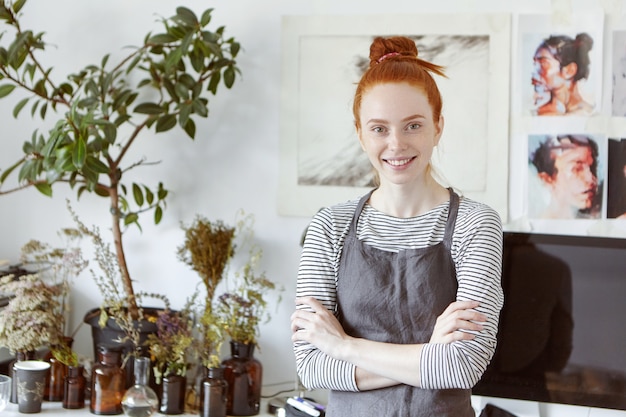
x=58 y=266
x=169 y=345
x=244 y=308
x=29 y=321
x=207 y=249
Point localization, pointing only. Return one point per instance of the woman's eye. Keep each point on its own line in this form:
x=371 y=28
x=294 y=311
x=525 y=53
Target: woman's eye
x=378 y=129
x=414 y=126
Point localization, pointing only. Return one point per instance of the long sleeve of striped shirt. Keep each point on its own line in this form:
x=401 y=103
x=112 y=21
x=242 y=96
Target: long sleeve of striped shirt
x=477 y=254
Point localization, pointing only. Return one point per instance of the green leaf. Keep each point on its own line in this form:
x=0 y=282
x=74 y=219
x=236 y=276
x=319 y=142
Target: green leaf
x=162 y=38
x=131 y=218
x=45 y=189
x=10 y=169
x=206 y=17
x=215 y=81
x=186 y=16
x=79 y=153
x=138 y=195
x=149 y=196
x=166 y=123
x=148 y=108
x=96 y=165
x=229 y=76
x=18 y=108
x=158 y=214
x=190 y=128
x=6 y=89
x=17 y=6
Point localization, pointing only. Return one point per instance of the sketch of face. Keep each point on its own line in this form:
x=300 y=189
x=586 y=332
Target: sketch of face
x=547 y=76
x=574 y=185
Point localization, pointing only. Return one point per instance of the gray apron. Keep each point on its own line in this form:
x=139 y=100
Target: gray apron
x=396 y=298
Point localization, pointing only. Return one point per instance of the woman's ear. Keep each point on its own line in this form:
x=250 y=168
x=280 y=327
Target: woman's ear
x=569 y=70
x=438 y=129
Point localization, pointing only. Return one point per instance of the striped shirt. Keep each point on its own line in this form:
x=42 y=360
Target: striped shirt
x=477 y=254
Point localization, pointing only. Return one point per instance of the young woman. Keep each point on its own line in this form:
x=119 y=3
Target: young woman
x=399 y=294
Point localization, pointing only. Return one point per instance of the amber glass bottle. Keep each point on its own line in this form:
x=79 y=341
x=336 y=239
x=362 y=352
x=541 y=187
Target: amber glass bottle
x=108 y=381
x=243 y=374
x=74 y=388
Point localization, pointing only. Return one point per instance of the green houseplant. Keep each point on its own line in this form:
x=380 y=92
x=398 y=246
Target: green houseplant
x=103 y=109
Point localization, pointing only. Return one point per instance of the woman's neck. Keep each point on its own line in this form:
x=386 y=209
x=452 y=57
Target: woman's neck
x=404 y=201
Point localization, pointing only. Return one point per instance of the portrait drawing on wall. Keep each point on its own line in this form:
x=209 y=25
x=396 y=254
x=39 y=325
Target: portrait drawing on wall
x=565 y=176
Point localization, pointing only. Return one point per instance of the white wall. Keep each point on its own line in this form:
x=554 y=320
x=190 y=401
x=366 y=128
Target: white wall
x=233 y=163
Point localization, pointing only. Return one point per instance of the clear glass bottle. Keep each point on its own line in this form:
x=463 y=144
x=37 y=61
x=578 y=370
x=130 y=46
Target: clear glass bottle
x=108 y=381
x=140 y=400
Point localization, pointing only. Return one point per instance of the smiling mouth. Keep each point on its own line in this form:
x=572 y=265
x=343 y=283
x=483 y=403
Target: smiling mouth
x=399 y=162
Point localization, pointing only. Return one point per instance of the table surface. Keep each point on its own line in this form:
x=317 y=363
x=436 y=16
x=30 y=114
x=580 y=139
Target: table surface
x=55 y=409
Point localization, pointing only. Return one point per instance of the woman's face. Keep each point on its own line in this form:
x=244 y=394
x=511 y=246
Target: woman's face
x=547 y=74
x=574 y=183
x=398 y=132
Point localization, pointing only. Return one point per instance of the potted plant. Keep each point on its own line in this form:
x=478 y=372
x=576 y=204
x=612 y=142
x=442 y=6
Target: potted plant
x=243 y=310
x=103 y=109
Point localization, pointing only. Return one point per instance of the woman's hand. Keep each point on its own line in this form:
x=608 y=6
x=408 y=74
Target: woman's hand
x=460 y=315
x=317 y=325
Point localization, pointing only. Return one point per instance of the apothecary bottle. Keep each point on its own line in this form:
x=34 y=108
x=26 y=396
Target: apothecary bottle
x=140 y=400
x=55 y=380
x=108 y=381
x=214 y=394
x=243 y=374
x=74 y=387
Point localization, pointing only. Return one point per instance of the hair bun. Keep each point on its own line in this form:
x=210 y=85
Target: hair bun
x=384 y=48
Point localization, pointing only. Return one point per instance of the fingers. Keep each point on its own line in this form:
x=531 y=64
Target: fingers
x=459 y=321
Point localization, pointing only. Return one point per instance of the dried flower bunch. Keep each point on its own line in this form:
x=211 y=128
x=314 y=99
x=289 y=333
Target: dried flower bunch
x=29 y=321
x=57 y=266
x=207 y=249
x=169 y=345
x=245 y=308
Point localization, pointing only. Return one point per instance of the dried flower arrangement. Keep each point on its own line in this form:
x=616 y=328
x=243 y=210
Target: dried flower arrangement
x=29 y=321
x=245 y=308
x=207 y=249
x=57 y=266
x=168 y=347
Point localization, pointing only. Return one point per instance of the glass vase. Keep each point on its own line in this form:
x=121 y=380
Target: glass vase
x=243 y=374
x=140 y=400
x=74 y=387
x=214 y=394
x=173 y=388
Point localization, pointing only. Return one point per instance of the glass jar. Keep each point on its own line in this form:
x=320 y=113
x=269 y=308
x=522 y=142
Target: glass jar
x=243 y=374
x=55 y=380
x=173 y=388
x=74 y=387
x=140 y=400
x=214 y=394
x=108 y=381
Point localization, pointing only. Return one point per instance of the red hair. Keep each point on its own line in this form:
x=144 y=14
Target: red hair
x=394 y=60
